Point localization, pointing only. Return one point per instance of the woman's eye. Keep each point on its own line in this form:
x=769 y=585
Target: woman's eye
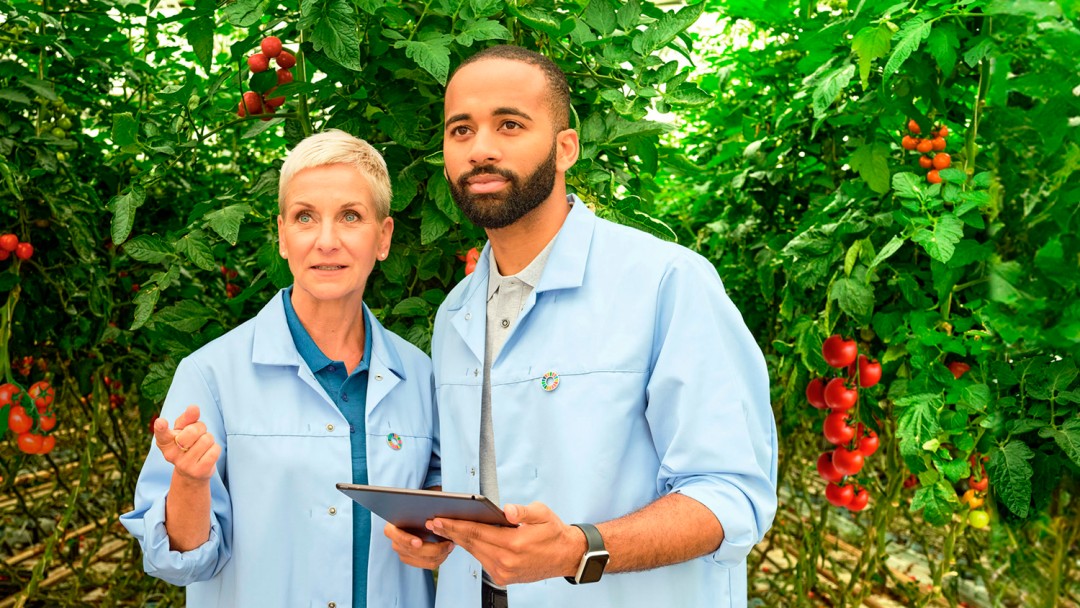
x=303 y=217
x=352 y=216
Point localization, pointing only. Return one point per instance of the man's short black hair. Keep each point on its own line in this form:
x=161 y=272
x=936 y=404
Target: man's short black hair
x=559 y=100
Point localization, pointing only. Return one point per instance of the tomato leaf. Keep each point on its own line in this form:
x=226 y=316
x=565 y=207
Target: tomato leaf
x=870 y=43
x=148 y=248
x=412 y=307
x=894 y=245
x=433 y=55
x=226 y=222
x=941 y=241
x=333 y=30
x=942 y=44
x=1067 y=438
x=123 y=208
x=1024 y=8
x=125 y=129
x=661 y=33
x=908 y=39
x=600 y=16
x=975 y=396
x=195 y=247
x=433 y=222
x=484 y=29
x=186 y=316
x=872 y=163
x=158 y=378
x=917 y=422
x=1011 y=473
x=145 y=301
x=200 y=35
x=245 y=13
x=907 y=185
x=829 y=88
x=855 y=297
x=953 y=176
x=936 y=502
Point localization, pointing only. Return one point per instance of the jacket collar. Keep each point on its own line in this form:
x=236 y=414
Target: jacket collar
x=273 y=343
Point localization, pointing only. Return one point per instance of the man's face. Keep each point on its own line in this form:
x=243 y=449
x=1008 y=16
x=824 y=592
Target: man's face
x=500 y=150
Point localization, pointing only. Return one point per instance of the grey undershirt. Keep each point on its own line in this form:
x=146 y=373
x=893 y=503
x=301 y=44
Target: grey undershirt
x=506 y=298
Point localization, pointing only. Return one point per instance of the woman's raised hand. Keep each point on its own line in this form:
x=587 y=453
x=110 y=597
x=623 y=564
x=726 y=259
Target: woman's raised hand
x=187 y=446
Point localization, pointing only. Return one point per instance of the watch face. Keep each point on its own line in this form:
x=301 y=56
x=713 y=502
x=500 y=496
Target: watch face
x=594 y=567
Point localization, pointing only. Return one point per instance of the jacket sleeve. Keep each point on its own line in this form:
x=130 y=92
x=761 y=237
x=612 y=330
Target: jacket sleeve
x=147 y=521
x=709 y=409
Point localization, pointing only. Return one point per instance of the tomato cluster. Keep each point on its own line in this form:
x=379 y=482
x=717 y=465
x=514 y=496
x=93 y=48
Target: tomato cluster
x=470 y=257
x=30 y=415
x=9 y=243
x=932 y=149
x=975 y=496
x=231 y=289
x=254 y=103
x=853 y=444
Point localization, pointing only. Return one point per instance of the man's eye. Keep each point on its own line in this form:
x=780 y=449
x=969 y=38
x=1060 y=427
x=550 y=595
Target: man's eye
x=460 y=130
x=511 y=125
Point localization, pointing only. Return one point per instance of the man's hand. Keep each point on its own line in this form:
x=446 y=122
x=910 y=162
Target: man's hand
x=540 y=547
x=414 y=551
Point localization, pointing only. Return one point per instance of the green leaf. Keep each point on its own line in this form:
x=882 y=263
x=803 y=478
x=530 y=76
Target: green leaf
x=123 y=208
x=942 y=44
x=195 y=247
x=226 y=222
x=829 y=87
x=629 y=15
x=539 y=19
x=8 y=281
x=433 y=55
x=186 y=316
x=44 y=88
x=145 y=301
x=412 y=307
x=972 y=199
x=263 y=81
x=1011 y=474
x=855 y=297
x=872 y=163
x=484 y=29
x=689 y=95
x=245 y=13
x=439 y=191
x=917 y=422
x=953 y=176
x=333 y=30
x=200 y=35
x=125 y=130
x=982 y=180
x=158 y=378
x=870 y=43
x=600 y=16
x=935 y=501
x=907 y=185
x=911 y=34
x=886 y=252
x=14 y=96
x=661 y=33
x=941 y=242
x=433 y=223
x=1067 y=438
x=148 y=248
x=976 y=397
x=1036 y=9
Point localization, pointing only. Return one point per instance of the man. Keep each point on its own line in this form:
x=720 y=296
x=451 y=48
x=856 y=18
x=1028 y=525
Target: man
x=586 y=373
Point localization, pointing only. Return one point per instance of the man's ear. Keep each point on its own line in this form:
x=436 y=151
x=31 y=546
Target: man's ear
x=567 y=149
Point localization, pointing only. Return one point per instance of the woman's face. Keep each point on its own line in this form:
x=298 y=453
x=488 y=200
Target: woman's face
x=330 y=233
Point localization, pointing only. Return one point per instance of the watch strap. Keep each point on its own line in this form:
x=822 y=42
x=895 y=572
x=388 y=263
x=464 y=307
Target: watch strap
x=592 y=537
x=594 y=550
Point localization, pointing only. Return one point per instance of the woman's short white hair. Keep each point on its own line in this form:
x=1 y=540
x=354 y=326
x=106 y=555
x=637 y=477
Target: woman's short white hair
x=333 y=147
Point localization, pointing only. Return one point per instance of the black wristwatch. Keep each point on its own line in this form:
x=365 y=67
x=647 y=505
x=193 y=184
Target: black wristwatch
x=595 y=559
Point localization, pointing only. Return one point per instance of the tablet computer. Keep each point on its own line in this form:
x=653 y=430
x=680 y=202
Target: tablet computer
x=410 y=509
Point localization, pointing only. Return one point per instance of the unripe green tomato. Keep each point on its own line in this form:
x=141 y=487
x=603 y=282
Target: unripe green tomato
x=979 y=519
x=64 y=123
x=60 y=156
x=58 y=133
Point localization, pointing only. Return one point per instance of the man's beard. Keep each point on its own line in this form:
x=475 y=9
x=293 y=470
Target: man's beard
x=500 y=209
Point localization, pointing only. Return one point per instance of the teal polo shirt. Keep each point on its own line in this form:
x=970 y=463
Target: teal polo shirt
x=349 y=392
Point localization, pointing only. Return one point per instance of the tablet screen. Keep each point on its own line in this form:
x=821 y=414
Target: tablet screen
x=411 y=509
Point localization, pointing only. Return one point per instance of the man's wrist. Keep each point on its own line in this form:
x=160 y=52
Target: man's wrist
x=577 y=545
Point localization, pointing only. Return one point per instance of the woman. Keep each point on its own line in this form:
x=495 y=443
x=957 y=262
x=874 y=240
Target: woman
x=238 y=501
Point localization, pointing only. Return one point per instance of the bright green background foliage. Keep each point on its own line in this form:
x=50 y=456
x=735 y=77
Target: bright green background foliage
x=123 y=161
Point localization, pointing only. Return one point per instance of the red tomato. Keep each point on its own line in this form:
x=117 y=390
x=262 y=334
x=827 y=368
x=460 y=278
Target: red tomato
x=839 y=496
x=869 y=372
x=838 y=396
x=979 y=485
x=938 y=143
x=942 y=131
x=933 y=177
x=826 y=469
x=836 y=429
x=925 y=146
x=8 y=242
x=24 y=251
x=19 y=421
x=30 y=443
x=48 y=442
x=271 y=46
x=859 y=501
x=469 y=268
x=868 y=444
x=908 y=142
x=815 y=393
x=913 y=126
x=847 y=462
x=4 y=254
x=472 y=255
x=47 y=422
x=839 y=352
x=9 y=393
x=926 y=162
x=941 y=161
x=42 y=394
x=285 y=59
x=958 y=368
x=911 y=481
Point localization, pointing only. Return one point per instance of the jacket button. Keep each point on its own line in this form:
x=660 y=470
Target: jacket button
x=331 y=605
x=330 y=428
x=332 y=511
x=378 y=376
